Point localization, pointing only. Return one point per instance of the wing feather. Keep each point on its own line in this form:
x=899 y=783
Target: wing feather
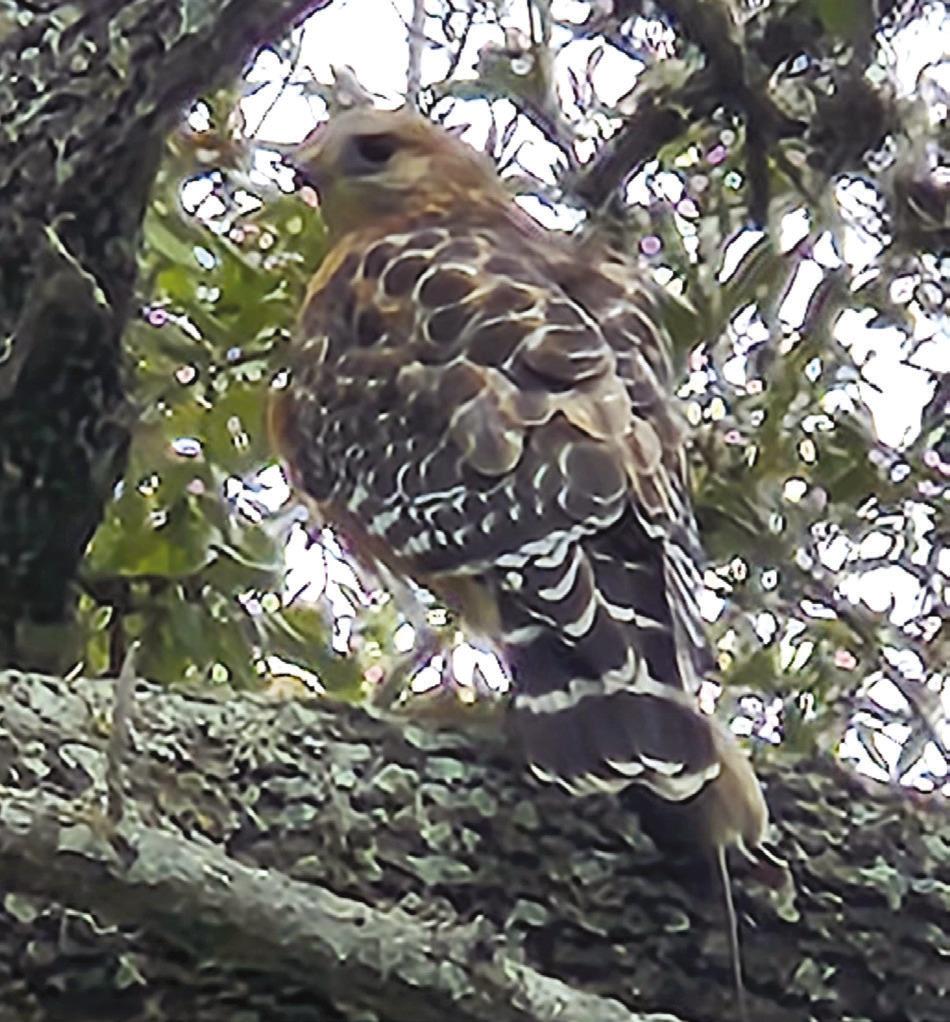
x=506 y=419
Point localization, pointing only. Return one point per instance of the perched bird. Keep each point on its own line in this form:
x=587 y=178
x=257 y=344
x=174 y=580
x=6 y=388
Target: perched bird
x=484 y=406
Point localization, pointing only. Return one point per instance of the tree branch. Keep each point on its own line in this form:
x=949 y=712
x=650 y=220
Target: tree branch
x=455 y=849
x=417 y=42
x=338 y=949
x=724 y=81
x=647 y=130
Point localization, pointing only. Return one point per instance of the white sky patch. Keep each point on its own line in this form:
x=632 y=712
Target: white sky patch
x=466 y=659
x=895 y=391
x=306 y=578
x=735 y=251
x=825 y=251
x=404 y=638
x=920 y=51
x=429 y=678
x=795 y=303
x=561 y=219
x=370 y=37
x=274 y=490
x=612 y=73
x=793 y=228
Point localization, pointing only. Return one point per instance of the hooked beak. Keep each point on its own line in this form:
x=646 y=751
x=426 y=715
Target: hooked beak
x=304 y=159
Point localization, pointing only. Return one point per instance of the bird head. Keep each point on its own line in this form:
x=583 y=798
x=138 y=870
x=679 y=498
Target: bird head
x=367 y=164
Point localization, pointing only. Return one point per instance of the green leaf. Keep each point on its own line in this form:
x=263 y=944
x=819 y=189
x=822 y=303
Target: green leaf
x=759 y=672
x=172 y=242
x=847 y=19
x=299 y=633
x=253 y=563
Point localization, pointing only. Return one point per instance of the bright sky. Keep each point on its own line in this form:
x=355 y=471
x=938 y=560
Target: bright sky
x=370 y=37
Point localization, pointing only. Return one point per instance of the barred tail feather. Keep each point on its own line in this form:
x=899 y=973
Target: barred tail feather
x=594 y=733
x=600 y=697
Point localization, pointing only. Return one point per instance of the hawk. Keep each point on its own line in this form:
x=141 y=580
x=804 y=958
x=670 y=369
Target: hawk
x=484 y=406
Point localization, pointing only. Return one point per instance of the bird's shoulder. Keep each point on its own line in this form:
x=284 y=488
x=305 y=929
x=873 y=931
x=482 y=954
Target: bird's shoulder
x=400 y=262
x=500 y=314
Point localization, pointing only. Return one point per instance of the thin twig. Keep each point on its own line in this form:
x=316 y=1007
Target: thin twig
x=648 y=130
x=732 y=933
x=462 y=42
x=293 y=67
x=119 y=739
x=417 y=39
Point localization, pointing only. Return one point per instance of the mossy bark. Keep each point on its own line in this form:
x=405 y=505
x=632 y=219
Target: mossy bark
x=412 y=874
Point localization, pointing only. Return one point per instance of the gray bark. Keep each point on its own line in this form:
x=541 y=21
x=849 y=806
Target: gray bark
x=308 y=861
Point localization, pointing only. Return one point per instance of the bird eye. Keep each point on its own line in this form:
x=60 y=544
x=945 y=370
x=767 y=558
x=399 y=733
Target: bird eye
x=374 y=150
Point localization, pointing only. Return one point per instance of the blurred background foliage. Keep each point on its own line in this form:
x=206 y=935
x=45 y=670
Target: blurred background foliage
x=799 y=225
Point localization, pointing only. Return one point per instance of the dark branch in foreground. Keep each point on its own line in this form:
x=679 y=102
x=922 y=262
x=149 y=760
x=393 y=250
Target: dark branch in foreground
x=303 y=861
x=849 y=122
x=87 y=92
